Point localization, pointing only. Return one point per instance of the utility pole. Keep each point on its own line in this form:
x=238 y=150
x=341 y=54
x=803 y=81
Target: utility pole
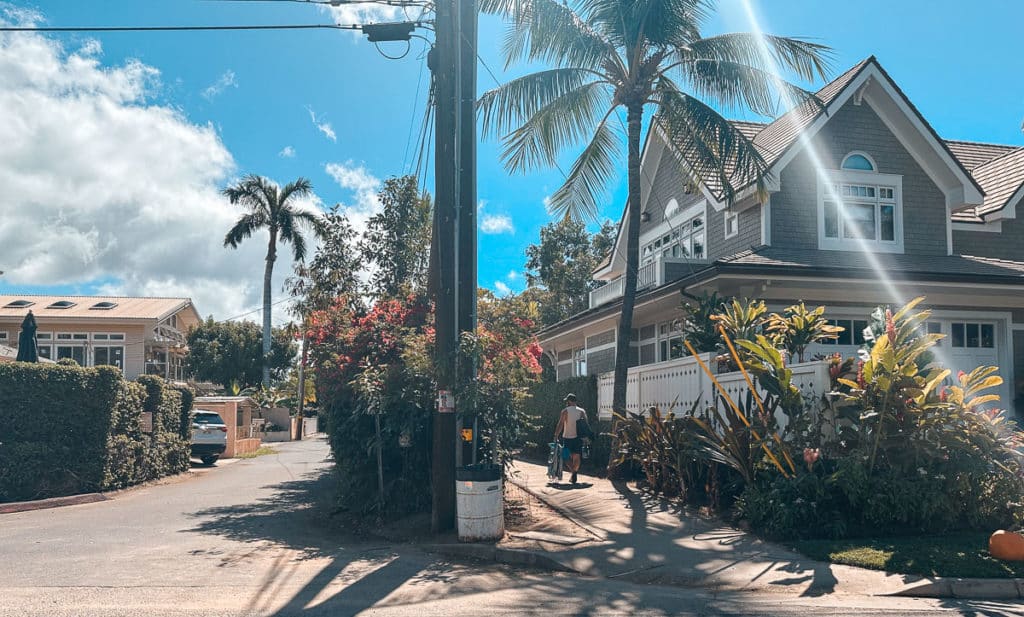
x=444 y=64
x=467 y=223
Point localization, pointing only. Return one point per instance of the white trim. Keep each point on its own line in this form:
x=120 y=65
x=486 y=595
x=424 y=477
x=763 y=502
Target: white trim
x=603 y=347
x=845 y=176
x=949 y=230
x=735 y=218
x=766 y=222
x=3 y=335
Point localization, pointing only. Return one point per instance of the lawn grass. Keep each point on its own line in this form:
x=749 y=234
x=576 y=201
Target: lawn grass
x=959 y=555
x=260 y=452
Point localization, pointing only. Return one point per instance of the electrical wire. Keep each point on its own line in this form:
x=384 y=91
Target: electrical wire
x=336 y=3
x=177 y=28
x=412 y=119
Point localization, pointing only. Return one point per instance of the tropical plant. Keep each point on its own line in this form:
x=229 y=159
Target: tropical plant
x=273 y=208
x=698 y=324
x=228 y=353
x=742 y=321
x=799 y=327
x=612 y=55
x=397 y=239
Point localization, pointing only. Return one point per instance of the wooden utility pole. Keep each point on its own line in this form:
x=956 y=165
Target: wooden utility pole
x=444 y=64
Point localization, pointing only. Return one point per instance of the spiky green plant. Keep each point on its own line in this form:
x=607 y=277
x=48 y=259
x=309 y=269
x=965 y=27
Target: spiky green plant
x=799 y=327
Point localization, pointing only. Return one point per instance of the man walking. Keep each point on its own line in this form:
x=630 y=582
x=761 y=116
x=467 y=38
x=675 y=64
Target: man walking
x=569 y=429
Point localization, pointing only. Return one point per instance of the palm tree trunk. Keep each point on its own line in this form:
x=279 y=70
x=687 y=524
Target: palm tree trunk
x=268 y=273
x=633 y=117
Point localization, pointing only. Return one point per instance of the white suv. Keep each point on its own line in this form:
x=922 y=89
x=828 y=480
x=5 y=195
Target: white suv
x=209 y=436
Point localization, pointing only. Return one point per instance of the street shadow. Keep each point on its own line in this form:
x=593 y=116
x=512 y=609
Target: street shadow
x=569 y=487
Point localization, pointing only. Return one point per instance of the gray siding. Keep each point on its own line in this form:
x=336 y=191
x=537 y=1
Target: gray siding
x=669 y=184
x=602 y=338
x=795 y=206
x=1008 y=244
x=600 y=361
x=749 y=232
x=1018 y=372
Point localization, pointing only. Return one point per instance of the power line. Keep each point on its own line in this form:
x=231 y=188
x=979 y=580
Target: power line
x=177 y=28
x=337 y=3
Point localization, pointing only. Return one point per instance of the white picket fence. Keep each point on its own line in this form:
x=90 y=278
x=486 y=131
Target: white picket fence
x=677 y=384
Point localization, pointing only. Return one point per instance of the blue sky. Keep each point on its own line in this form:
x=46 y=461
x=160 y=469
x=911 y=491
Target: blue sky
x=262 y=102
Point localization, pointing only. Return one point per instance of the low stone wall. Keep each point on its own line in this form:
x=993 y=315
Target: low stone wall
x=245 y=446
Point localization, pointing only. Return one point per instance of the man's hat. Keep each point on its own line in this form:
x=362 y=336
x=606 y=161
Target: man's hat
x=570 y=397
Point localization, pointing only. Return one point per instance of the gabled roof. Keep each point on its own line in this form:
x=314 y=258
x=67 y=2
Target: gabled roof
x=973 y=154
x=82 y=309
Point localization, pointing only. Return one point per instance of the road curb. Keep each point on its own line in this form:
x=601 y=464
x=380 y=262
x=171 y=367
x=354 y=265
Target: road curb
x=509 y=556
x=966 y=588
x=53 y=502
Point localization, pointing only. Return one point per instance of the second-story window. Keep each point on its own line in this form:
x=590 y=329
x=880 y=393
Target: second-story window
x=859 y=208
x=683 y=239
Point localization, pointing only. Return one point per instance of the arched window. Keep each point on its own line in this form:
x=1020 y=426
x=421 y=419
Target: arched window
x=858 y=161
x=671 y=208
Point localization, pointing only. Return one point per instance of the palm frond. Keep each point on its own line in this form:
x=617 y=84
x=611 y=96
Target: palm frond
x=244 y=227
x=551 y=32
x=637 y=23
x=297 y=240
x=714 y=149
x=588 y=179
x=563 y=122
x=735 y=85
x=301 y=187
x=248 y=193
x=513 y=103
x=808 y=59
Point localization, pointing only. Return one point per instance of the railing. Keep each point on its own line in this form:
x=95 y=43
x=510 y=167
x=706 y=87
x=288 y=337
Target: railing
x=649 y=275
x=607 y=293
x=677 y=385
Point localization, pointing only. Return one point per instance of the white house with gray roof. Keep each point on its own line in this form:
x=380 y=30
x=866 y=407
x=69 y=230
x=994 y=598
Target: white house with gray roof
x=866 y=205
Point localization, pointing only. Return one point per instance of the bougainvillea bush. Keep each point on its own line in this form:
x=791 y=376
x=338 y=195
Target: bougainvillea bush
x=380 y=363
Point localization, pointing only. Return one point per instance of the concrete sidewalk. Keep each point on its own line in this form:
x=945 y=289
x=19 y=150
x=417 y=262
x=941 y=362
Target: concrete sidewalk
x=644 y=539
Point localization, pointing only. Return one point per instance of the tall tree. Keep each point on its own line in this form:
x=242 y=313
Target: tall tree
x=270 y=207
x=631 y=55
x=397 y=239
x=332 y=272
x=228 y=353
x=562 y=264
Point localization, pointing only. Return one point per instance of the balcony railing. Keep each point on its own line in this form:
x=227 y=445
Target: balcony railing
x=650 y=275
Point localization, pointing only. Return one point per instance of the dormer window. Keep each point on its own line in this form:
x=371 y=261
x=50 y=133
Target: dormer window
x=61 y=304
x=858 y=161
x=860 y=209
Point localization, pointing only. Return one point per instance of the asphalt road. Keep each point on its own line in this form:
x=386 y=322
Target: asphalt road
x=251 y=538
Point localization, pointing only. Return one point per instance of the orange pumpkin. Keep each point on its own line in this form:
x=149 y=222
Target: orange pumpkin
x=1006 y=545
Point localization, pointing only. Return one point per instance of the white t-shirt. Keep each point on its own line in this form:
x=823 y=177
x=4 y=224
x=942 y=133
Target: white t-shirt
x=572 y=414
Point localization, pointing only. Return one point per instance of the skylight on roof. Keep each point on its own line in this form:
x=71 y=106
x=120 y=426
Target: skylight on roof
x=19 y=304
x=62 y=304
x=102 y=306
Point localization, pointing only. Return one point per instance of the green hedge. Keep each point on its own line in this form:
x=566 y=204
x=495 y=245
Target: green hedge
x=543 y=406
x=67 y=430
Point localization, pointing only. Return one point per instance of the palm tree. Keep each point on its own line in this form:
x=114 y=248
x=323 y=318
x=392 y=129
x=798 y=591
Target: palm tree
x=610 y=55
x=272 y=208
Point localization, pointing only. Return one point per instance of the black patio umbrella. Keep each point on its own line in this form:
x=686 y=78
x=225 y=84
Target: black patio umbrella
x=27 y=350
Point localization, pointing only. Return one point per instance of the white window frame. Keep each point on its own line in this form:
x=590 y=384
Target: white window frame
x=3 y=335
x=653 y=246
x=108 y=336
x=732 y=218
x=870 y=178
x=871 y=159
x=108 y=346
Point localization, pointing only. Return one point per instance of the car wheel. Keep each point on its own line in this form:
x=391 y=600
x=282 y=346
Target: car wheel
x=209 y=460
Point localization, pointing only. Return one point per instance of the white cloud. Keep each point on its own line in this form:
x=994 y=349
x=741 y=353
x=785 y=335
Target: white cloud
x=512 y=275
x=364 y=14
x=496 y=224
x=102 y=188
x=322 y=126
x=502 y=288
x=225 y=81
x=287 y=152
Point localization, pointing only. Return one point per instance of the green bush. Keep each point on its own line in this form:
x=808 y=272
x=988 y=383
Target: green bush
x=546 y=400
x=67 y=430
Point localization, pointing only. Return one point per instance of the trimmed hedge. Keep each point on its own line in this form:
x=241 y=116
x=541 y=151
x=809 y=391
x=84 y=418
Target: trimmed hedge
x=67 y=430
x=543 y=406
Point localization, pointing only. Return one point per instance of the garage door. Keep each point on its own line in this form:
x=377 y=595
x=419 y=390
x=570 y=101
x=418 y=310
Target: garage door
x=971 y=344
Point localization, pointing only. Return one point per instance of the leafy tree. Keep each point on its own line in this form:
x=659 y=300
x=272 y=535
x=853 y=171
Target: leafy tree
x=397 y=240
x=333 y=271
x=563 y=264
x=610 y=55
x=230 y=353
x=272 y=208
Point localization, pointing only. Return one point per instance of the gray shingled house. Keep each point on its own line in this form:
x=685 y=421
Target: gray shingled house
x=867 y=205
